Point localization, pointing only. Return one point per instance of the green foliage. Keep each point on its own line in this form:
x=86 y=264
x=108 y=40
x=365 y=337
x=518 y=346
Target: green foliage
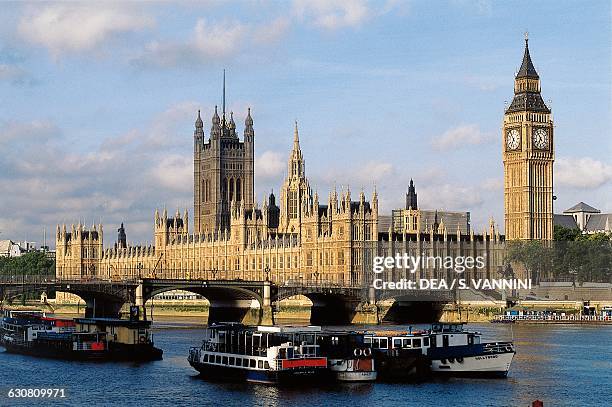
x=584 y=258
x=32 y=263
x=565 y=234
x=533 y=255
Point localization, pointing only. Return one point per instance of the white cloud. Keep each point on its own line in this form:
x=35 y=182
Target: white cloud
x=19 y=132
x=124 y=179
x=467 y=134
x=272 y=32
x=337 y=14
x=584 y=173
x=218 y=39
x=270 y=165
x=212 y=41
x=76 y=27
x=333 y=14
x=175 y=172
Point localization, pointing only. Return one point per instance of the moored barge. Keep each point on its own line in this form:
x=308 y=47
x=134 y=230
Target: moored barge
x=264 y=354
x=95 y=339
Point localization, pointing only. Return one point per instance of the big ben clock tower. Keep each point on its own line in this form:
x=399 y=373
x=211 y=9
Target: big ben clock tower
x=528 y=155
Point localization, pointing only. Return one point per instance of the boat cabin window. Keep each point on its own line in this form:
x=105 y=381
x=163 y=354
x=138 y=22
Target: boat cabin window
x=416 y=343
x=231 y=360
x=260 y=364
x=217 y=359
x=406 y=343
x=397 y=343
x=289 y=353
x=425 y=342
x=225 y=360
x=245 y=362
x=266 y=365
x=252 y=362
x=282 y=353
x=206 y=358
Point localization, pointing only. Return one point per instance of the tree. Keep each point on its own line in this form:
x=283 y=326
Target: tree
x=31 y=263
x=533 y=255
x=565 y=234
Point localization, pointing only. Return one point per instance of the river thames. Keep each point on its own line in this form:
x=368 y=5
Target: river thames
x=563 y=365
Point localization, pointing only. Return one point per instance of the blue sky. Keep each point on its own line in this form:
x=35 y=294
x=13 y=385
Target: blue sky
x=98 y=101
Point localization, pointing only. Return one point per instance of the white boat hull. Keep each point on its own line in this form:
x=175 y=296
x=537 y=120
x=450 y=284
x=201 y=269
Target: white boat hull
x=348 y=370
x=356 y=376
x=496 y=365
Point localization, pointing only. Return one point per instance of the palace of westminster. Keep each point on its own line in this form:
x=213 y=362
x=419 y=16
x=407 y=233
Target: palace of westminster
x=303 y=237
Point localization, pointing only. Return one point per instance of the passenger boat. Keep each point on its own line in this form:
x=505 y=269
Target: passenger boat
x=349 y=358
x=263 y=354
x=399 y=355
x=100 y=339
x=454 y=351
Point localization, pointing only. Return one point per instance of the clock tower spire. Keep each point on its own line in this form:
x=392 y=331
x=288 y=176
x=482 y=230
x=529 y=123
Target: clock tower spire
x=528 y=156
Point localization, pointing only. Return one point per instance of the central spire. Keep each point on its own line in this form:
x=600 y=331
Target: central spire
x=224 y=95
x=527 y=70
x=296 y=137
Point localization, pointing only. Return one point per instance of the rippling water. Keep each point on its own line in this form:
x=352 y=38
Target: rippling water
x=561 y=365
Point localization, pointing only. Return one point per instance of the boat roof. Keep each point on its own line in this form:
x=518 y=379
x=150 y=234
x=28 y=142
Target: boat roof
x=289 y=329
x=113 y=322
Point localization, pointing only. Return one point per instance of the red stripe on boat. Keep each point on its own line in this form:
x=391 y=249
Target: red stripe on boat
x=313 y=362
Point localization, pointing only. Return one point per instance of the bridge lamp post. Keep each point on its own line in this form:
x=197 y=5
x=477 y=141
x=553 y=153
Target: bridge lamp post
x=214 y=273
x=139 y=267
x=316 y=276
x=267 y=271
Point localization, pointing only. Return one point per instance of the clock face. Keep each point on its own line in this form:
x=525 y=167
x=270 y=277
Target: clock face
x=540 y=138
x=513 y=139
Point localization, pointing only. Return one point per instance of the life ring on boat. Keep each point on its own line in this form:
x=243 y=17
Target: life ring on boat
x=460 y=359
x=357 y=352
x=367 y=352
x=443 y=361
x=451 y=360
x=142 y=339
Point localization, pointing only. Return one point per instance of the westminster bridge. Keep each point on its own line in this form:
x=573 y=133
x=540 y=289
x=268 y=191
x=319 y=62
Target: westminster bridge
x=249 y=298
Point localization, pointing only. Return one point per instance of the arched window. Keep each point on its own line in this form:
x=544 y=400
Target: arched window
x=231 y=189
x=238 y=190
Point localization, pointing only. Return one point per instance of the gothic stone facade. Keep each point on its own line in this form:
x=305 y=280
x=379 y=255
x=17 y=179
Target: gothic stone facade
x=528 y=156
x=304 y=240
x=301 y=241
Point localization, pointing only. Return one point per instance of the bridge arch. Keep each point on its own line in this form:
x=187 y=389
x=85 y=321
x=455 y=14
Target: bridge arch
x=328 y=307
x=226 y=303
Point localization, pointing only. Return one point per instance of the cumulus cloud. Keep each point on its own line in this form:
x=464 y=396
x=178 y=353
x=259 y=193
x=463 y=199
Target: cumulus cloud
x=270 y=165
x=467 y=134
x=19 y=132
x=272 y=32
x=75 y=27
x=584 y=173
x=333 y=14
x=175 y=172
x=123 y=179
x=208 y=41
x=337 y=14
